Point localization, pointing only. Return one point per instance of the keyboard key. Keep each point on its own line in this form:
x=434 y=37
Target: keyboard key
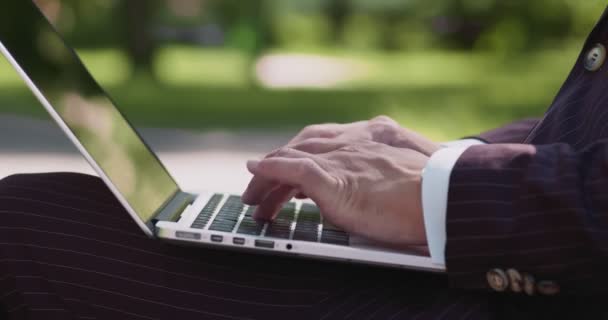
x=335 y=237
x=281 y=226
x=307 y=226
x=203 y=217
x=279 y=234
x=309 y=207
x=249 y=226
x=309 y=212
x=329 y=226
x=253 y=228
x=228 y=216
x=305 y=236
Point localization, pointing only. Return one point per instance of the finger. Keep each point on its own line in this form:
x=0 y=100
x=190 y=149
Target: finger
x=301 y=196
x=268 y=209
x=328 y=130
x=318 y=145
x=259 y=187
x=300 y=173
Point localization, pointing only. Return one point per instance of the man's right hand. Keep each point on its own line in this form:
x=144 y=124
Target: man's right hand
x=270 y=194
x=366 y=188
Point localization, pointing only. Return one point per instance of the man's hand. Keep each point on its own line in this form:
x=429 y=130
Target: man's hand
x=364 y=187
x=270 y=195
x=381 y=129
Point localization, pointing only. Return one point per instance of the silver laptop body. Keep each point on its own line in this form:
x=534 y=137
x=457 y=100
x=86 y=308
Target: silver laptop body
x=60 y=81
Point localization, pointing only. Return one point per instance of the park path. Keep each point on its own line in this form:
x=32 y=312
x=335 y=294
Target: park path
x=198 y=160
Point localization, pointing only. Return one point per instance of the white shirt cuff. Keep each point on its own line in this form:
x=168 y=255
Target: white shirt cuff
x=461 y=143
x=435 y=187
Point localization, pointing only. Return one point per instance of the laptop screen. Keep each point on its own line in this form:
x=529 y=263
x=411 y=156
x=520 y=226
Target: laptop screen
x=84 y=107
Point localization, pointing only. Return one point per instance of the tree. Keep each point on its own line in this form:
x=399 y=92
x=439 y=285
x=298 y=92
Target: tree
x=337 y=12
x=137 y=18
x=250 y=28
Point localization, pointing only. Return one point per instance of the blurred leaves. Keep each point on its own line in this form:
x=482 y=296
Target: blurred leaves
x=446 y=67
x=255 y=25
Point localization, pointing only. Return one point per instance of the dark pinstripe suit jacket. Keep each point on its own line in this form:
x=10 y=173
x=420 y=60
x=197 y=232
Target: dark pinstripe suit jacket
x=536 y=198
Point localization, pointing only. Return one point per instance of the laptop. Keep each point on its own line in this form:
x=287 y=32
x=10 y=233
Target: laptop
x=140 y=182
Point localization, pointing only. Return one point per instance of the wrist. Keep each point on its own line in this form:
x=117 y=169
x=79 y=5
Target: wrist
x=419 y=210
x=416 y=205
x=412 y=140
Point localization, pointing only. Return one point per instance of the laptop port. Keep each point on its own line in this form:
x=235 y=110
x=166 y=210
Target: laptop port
x=188 y=235
x=239 y=241
x=264 y=244
x=217 y=238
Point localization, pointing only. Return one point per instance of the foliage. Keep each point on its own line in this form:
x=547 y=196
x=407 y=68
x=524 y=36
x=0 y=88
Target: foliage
x=448 y=68
x=444 y=95
x=254 y=25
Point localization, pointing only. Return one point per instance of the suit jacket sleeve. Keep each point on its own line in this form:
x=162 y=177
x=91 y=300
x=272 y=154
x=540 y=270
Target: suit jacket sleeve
x=515 y=132
x=539 y=209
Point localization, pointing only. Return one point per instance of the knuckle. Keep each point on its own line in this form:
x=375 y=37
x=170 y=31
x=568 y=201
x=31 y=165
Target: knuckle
x=311 y=128
x=304 y=145
x=383 y=126
x=280 y=152
x=284 y=151
x=309 y=144
x=383 y=119
x=384 y=131
x=379 y=127
x=273 y=153
x=349 y=148
x=306 y=166
x=318 y=130
x=263 y=166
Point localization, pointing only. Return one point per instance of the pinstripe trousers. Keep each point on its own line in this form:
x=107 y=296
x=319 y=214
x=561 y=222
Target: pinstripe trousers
x=69 y=251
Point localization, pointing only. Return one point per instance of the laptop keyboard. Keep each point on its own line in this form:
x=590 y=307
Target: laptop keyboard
x=304 y=223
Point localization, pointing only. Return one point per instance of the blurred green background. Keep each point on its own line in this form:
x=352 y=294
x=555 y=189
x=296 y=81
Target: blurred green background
x=448 y=68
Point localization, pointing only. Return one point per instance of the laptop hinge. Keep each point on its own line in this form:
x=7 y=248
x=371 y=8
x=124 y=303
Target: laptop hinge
x=174 y=208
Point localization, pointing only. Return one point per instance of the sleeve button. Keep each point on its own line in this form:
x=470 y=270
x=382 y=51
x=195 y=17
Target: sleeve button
x=529 y=284
x=497 y=279
x=516 y=280
x=595 y=58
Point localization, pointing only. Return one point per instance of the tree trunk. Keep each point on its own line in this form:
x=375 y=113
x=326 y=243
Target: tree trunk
x=138 y=39
x=337 y=12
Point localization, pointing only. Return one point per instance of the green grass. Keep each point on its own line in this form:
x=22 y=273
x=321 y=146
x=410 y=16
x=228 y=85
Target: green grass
x=444 y=95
